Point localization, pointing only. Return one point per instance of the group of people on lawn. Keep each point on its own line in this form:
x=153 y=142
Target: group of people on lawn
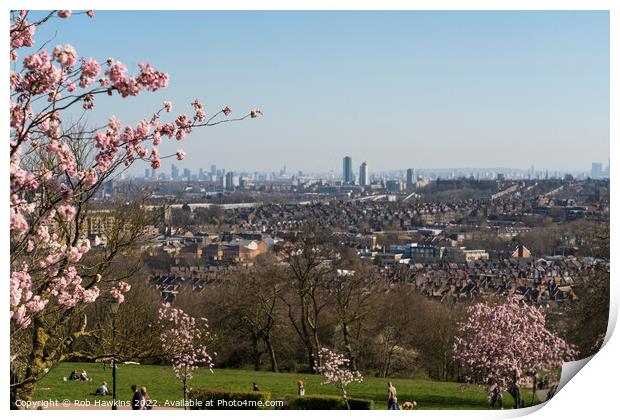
x=142 y=401
x=74 y=376
x=496 y=395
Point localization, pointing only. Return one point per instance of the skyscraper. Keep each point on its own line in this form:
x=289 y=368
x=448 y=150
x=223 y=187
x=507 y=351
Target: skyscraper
x=411 y=178
x=364 y=174
x=174 y=171
x=229 y=181
x=347 y=170
x=597 y=169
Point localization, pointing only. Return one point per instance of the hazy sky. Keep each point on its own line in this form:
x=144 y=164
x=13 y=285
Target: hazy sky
x=396 y=89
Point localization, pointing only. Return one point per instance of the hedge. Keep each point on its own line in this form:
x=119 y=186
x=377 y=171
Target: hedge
x=326 y=402
x=222 y=399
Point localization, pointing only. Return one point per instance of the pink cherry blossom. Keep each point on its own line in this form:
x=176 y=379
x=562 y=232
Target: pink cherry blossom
x=180 y=154
x=45 y=90
x=504 y=344
x=22 y=33
x=90 y=70
x=336 y=370
x=66 y=212
x=66 y=56
x=184 y=339
x=200 y=114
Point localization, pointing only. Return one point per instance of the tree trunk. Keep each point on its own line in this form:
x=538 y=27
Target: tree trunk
x=185 y=390
x=272 y=353
x=515 y=392
x=25 y=390
x=256 y=353
x=311 y=359
x=344 y=395
x=22 y=392
x=317 y=347
x=533 y=388
x=347 y=345
x=305 y=335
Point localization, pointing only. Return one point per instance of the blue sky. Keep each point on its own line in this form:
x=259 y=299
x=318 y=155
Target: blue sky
x=396 y=89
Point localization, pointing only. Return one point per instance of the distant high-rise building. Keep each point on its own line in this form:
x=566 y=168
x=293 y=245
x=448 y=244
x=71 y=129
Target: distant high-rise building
x=364 y=180
x=187 y=174
x=347 y=170
x=411 y=178
x=213 y=170
x=201 y=174
x=394 y=185
x=597 y=169
x=174 y=171
x=229 y=181
x=147 y=172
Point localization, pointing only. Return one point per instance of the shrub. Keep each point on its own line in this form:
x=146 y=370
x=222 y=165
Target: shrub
x=222 y=399
x=360 y=404
x=326 y=402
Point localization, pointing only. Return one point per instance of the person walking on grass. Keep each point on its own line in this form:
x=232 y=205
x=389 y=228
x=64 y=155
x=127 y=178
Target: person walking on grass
x=496 y=396
x=136 y=400
x=301 y=387
x=392 y=400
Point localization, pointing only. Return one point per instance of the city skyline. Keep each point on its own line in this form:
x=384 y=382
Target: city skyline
x=409 y=89
x=409 y=175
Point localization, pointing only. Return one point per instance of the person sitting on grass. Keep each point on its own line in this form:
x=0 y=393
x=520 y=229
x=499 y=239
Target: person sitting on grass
x=74 y=376
x=84 y=376
x=255 y=387
x=147 y=403
x=102 y=390
x=136 y=399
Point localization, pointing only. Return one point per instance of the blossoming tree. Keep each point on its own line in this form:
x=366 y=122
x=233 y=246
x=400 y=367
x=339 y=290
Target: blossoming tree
x=502 y=345
x=184 y=340
x=336 y=370
x=52 y=181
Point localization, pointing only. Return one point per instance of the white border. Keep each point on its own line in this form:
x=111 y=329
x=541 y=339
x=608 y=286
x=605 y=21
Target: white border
x=592 y=395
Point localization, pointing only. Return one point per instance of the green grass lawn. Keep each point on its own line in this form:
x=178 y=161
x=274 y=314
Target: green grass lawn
x=162 y=385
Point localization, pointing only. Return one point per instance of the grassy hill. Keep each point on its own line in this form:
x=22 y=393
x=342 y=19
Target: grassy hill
x=163 y=385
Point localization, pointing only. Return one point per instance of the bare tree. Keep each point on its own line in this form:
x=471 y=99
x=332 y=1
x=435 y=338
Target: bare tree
x=308 y=267
x=252 y=299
